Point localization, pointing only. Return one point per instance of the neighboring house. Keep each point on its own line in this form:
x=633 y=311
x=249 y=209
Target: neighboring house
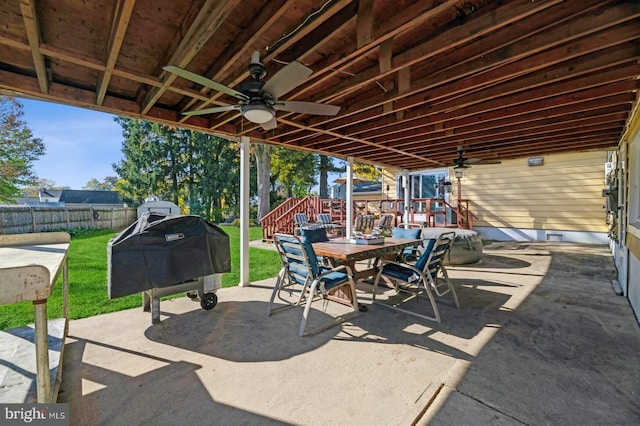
x=361 y=191
x=45 y=198
x=49 y=195
x=72 y=197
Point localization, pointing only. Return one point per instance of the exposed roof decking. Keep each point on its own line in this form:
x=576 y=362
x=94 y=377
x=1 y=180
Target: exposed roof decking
x=414 y=79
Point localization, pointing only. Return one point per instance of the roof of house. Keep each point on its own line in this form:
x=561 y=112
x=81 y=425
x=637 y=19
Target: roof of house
x=367 y=187
x=54 y=193
x=71 y=196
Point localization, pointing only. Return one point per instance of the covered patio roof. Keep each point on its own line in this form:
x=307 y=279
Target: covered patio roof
x=413 y=79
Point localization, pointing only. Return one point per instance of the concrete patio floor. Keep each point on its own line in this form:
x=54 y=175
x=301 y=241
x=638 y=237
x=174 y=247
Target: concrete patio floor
x=540 y=338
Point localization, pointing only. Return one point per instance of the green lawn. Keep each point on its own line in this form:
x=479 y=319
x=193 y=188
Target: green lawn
x=88 y=278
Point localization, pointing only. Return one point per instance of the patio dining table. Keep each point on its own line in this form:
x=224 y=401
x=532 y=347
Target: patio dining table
x=342 y=251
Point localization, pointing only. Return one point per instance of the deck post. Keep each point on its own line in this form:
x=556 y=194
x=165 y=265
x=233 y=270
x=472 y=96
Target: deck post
x=407 y=197
x=245 y=146
x=349 y=198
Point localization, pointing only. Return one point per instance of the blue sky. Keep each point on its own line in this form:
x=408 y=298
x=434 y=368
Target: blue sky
x=81 y=144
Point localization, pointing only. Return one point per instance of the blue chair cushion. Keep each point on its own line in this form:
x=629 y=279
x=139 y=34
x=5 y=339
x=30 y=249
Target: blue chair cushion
x=299 y=266
x=412 y=233
x=422 y=260
x=399 y=272
x=334 y=279
x=316 y=235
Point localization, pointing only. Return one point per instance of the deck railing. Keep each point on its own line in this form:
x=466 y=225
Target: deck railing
x=429 y=212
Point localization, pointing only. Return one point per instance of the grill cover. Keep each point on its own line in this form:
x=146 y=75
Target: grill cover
x=159 y=250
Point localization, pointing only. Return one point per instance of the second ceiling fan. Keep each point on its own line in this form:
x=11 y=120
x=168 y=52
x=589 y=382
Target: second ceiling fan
x=464 y=163
x=259 y=100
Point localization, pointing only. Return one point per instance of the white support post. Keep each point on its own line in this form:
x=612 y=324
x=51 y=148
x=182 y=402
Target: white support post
x=407 y=197
x=245 y=145
x=349 y=197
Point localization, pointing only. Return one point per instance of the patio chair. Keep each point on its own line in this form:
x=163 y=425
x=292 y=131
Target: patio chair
x=421 y=275
x=409 y=254
x=384 y=224
x=315 y=235
x=324 y=219
x=300 y=268
x=301 y=220
x=363 y=223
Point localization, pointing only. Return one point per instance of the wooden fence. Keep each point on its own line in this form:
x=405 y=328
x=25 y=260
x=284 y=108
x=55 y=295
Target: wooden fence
x=18 y=220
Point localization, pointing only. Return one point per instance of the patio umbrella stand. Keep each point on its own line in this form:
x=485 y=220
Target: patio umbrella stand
x=161 y=254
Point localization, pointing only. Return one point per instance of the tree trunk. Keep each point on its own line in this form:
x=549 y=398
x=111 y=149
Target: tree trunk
x=325 y=165
x=263 y=167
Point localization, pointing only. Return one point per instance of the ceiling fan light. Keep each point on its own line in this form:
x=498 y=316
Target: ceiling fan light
x=257 y=113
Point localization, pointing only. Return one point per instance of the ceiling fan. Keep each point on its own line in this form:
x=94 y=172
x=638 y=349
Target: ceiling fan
x=259 y=100
x=464 y=163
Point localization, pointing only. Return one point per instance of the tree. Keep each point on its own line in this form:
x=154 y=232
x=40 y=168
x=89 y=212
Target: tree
x=107 y=185
x=367 y=171
x=294 y=172
x=192 y=169
x=92 y=185
x=18 y=150
x=262 y=152
x=326 y=165
x=34 y=189
x=141 y=168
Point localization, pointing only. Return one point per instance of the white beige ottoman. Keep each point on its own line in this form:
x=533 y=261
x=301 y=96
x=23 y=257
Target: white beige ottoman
x=466 y=248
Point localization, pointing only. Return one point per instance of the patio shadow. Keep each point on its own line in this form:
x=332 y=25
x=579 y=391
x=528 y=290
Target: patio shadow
x=242 y=332
x=109 y=392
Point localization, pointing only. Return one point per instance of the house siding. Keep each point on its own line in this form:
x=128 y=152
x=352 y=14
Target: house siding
x=564 y=194
x=632 y=137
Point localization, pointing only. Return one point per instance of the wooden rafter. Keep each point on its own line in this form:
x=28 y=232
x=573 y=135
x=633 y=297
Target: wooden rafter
x=121 y=19
x=32 y=28
x=302 y=34
x=413 y=79
x=207 y=22
x=457 y=71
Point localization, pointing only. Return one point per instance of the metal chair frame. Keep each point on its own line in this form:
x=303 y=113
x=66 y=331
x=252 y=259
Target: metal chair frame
x=300 y=267
x=425 y=277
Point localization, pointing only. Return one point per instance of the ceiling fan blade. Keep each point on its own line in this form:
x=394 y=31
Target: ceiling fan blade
x=270 y=125
x=287 y=79
x=203 y=81
x=212 y=110
x=307 y=108
x=481 y=161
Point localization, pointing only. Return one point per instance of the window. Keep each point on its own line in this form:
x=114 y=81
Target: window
x=425 y=184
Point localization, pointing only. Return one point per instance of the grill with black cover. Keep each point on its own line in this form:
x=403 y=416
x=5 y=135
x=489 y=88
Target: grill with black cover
x=160 y=251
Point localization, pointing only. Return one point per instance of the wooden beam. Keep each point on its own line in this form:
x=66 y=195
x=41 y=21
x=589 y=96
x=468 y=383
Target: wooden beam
x=354 y=139
x=364 y=23
x=308 y=38
x=119 y=26
x=206 y=23
x=492 y=74
x=237 y=50
x=385 y=54
x=32 y=28
x=481 y=26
